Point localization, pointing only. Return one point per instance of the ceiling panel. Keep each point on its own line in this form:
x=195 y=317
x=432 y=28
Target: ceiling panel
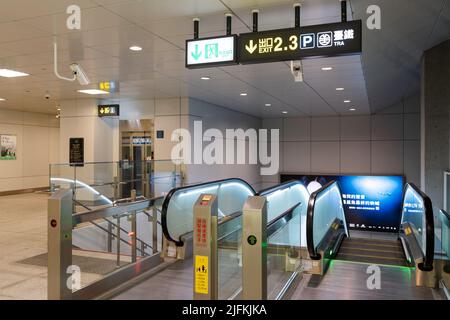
x=390 y=59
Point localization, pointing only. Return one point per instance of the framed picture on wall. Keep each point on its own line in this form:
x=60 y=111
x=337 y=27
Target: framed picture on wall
x=8 y=147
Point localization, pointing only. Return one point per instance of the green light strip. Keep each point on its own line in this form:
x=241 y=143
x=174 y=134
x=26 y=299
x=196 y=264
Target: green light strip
x=378 y=264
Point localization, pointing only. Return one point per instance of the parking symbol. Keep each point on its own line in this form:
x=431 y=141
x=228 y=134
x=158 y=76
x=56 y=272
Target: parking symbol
x=307 y=41
x=324 y=39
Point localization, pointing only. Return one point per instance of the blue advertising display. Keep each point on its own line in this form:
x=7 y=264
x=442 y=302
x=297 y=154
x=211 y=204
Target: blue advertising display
x=371 y=203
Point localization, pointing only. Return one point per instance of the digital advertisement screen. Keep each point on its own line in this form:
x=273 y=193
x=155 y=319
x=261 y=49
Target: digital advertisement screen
x=371 y=203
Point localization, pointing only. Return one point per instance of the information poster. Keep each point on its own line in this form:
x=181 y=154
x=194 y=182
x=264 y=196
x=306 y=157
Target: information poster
x=8 y=145
x=76 y=150
x=371 y=203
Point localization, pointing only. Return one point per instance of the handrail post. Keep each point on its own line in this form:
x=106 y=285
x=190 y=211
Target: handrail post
x=154 y=229
x=118 y=241
x=254 y=249
x=133 y=229
x=205 y=248
x=59 y=231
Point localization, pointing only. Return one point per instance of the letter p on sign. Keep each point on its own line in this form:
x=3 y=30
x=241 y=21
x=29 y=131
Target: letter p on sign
x=307 y=41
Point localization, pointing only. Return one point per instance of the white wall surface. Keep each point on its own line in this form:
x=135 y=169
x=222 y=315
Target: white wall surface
x=37 y=147
x=383 y=143
x=217 y=117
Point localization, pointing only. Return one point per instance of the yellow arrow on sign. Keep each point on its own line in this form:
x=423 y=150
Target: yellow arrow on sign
x=251 y=47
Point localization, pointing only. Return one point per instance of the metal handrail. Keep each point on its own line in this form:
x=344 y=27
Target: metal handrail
x=116 y=226
x=281 y=186
x=310 y=219
x=427 y=264
x=121 y=239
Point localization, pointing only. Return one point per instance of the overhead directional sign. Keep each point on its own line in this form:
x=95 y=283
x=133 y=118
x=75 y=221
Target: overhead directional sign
x=112 y=110
x=211 y=52
x=324 y=40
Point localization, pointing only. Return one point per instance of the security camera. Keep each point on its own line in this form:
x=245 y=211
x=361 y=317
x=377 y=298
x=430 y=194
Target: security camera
x=79 y=74
x=297 y=70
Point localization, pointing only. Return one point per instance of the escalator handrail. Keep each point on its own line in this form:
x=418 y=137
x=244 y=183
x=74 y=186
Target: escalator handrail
x=427 y=264
x=314 y=255
x=168 y=198
x=282 y=186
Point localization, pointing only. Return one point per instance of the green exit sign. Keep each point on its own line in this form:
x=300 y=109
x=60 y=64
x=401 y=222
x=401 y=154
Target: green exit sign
x=112 y=110
x=211 y=52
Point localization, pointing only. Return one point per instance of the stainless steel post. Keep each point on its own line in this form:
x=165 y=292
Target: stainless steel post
x=118 y=241
x=254 y=249
x=205 y=248
x=116 y=188
x=155 y=229
x=110 y=236
x=59 y=231
x=133 y=234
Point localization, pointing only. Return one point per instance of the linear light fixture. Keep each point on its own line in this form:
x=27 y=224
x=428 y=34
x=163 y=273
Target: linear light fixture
x=7 y=73
x=93 y=91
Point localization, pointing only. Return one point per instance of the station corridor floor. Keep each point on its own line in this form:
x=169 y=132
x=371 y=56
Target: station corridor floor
x=23 y=234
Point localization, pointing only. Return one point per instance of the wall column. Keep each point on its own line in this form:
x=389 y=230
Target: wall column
x=435 y=120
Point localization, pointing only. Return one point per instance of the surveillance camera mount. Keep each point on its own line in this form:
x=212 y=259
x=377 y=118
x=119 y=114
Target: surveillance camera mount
x=74 y=67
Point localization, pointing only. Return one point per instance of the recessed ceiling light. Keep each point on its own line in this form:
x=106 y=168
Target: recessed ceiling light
x=347 y=101
x=135 y=48
x=205 y=78
x=93 y=91
x=339 y=89
x=243 y=94
x=285 y=112
x=352 y=109
x=12 y=74
x=327 y=68
x=268 y=104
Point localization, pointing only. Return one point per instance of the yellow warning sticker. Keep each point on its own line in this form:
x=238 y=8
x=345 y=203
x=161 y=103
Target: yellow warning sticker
x=201 y=274
x=408 y=231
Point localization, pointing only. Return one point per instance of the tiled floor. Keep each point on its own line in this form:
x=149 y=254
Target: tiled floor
x=23 y=234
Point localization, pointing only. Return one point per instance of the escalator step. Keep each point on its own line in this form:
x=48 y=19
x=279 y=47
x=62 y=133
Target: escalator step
x=372 y=251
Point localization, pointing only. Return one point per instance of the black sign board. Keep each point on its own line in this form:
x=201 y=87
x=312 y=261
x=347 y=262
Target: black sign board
x=160 y=134
x=76 y=152
x=112 y=110
x=324 y=40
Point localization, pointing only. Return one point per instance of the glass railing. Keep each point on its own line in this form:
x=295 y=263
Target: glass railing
x=444 y=218
x=418 y=218
x=103 y=242
x=325 y=214
x=280 y=199
x=229 y=253
x=286 y=210
x=177 y=210
x=103 y=183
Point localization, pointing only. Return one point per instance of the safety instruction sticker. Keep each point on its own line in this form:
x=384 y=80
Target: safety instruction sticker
x=201 y=274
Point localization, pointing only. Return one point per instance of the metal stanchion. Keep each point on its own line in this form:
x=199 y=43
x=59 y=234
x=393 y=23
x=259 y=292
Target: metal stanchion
x=59 y=245
x=205 y=248
x=254 y=249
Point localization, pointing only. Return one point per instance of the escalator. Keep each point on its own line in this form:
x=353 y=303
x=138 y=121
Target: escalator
x=345 y=259
x=286 y=209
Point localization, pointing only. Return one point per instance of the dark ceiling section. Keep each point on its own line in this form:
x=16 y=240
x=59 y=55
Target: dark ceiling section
x=392 y=56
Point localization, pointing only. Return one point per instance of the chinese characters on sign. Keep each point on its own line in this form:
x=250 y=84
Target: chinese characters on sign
x=297 y=43
x=211 y=52
x=200 y=225
x=109 y=110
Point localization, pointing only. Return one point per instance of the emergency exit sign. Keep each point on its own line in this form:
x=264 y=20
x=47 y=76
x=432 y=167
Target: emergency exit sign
x=211 y=52
x=326 y=40
x=111 y=110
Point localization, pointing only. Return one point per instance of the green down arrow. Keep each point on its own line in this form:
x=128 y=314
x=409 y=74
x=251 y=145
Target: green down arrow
x=196 y=55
